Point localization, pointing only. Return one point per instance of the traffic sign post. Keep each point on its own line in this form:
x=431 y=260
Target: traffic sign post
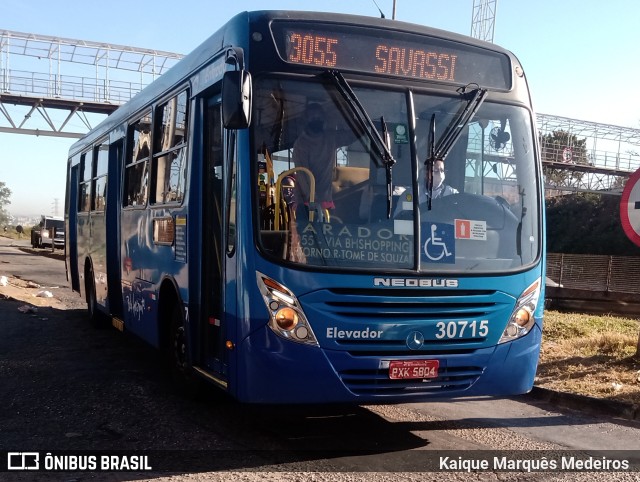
x=630 y=217
x=630 y=208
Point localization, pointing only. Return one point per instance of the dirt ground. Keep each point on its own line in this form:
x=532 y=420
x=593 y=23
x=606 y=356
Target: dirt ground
x=599 y=375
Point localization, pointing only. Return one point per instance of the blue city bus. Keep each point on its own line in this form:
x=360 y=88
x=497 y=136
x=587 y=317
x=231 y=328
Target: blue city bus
x=341 y=272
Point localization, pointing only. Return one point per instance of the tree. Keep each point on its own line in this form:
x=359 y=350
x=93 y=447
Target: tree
x=5 y=194
x=560 y=147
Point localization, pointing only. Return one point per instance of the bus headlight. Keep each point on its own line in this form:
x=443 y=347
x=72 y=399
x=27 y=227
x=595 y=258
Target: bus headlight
x=286 y=317
x=522 y=319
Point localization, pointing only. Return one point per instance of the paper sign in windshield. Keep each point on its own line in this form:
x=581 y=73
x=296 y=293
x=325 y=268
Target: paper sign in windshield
x=470 y=229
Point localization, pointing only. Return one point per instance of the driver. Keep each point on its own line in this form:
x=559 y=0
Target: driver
x=440 y=189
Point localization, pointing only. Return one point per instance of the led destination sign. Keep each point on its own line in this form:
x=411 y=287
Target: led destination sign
x=393 y=53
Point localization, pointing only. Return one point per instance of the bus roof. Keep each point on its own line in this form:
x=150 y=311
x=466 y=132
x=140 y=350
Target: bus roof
x=229 y=34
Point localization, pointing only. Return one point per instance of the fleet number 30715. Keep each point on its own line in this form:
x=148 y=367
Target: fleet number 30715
x=462 y=329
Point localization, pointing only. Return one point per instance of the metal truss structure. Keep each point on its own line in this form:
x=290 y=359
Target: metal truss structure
x=561 y=180
x=483 y=20
x=611 y=154
x=62 y=80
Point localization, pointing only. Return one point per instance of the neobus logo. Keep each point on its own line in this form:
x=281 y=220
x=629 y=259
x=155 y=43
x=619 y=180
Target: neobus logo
x=416 y=282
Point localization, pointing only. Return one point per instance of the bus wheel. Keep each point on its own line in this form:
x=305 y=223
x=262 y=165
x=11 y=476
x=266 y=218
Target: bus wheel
x=178 y=342
x=183 y=376
x=96 y=318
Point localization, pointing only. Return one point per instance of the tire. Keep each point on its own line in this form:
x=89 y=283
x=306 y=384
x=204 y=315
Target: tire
x=177 y=342
x=96 y=318
x=182 y=374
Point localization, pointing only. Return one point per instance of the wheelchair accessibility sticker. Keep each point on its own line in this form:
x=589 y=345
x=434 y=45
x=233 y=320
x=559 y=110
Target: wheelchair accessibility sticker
x=440 y=245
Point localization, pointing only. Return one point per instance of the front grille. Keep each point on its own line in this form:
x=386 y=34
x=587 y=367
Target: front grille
x=403 y=309
x=404 y=303
x=399 y=312
x=377 y=382
x=401 y=350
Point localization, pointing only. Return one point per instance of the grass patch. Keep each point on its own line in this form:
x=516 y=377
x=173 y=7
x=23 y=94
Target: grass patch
x=13 y=234
x=590 y=355
x=560 y=326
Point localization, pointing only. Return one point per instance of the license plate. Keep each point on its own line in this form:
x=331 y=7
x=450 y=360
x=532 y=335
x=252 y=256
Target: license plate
x=408 y=369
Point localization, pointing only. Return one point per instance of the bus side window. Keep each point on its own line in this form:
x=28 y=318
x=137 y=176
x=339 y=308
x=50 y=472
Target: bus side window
x=169 y=159
x=99 y=183
x=137 y=163
x=84 y=195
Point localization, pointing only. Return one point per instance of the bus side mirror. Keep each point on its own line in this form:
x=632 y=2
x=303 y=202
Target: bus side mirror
x=236 y=99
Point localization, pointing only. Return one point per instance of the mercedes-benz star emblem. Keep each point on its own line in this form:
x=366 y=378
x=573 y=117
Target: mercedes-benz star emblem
x=415 y=340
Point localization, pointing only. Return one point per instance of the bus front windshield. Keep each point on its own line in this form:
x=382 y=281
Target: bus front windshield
x=330 y=194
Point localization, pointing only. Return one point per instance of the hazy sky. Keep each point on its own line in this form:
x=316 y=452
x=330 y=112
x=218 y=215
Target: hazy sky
x=579 y=57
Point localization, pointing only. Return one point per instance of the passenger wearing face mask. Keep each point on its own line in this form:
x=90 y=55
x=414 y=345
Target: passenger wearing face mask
x=315 y=149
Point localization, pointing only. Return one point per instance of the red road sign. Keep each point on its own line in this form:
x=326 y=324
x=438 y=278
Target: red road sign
x=630 y=208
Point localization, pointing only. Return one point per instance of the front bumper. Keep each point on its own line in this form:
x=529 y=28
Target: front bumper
x=274 y=370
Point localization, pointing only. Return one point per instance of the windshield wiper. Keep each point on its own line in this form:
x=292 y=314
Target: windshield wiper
x=439 y=151
x=431 y=159
x=360 y=114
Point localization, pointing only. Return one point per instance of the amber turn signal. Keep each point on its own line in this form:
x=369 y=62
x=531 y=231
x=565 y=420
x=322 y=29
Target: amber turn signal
x=287 y=318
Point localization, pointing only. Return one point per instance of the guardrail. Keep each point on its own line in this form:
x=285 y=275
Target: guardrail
x=614 y=160
x=601 y=273
x=67 y=87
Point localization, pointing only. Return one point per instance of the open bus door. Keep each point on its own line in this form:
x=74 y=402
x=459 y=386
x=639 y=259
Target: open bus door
x=112 y=214
x=222 y=115
x=71 y=236
x=213 y=249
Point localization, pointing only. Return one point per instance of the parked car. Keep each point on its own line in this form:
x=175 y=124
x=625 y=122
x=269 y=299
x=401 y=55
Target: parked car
x=49 y=233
